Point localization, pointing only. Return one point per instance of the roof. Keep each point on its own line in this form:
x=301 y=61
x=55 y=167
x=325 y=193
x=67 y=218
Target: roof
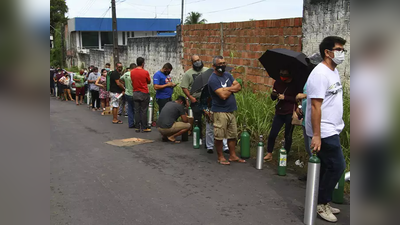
x=123 y=24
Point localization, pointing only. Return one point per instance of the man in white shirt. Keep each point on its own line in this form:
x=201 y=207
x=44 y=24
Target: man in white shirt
x=324 y=121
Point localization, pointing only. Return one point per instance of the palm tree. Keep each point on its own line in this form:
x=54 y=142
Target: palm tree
x=194 y=18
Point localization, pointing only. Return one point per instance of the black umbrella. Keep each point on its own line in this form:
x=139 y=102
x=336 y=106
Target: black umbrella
x=202 y=79
x=276 y=59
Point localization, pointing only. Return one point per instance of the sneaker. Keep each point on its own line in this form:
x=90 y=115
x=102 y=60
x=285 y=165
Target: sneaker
x=324 y=211
x=334 y=210
x=147 y=130
x=210 y=151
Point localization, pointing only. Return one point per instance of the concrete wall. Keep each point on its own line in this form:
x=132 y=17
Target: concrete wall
x=322 y=18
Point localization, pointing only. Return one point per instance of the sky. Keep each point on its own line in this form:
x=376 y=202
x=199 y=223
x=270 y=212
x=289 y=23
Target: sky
x=213 y=11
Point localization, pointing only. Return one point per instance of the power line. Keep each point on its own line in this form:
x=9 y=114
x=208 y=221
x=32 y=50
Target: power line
x=84 y=7
x=237 y=7
x=88 y=8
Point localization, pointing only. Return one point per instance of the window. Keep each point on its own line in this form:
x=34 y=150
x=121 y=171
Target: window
x=90 y=39
x=133 y=34
x=106 y=38
x=123 y=38
x=128 y=33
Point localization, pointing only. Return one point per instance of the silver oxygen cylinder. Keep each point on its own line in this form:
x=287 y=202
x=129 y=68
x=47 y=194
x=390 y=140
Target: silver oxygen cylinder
x=260 y=154
x=150 y=114
x=310 y=208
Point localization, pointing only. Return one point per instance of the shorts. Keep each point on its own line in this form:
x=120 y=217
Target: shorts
x=225 y=126
x=176 y=127
x=104 y=94
x=114 y=102
x=80 y=91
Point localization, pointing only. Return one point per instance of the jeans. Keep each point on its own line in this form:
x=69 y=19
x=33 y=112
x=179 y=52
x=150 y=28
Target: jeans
x=161 y=103
x=95 y=99
x=141 y=104
x=210 y=138
x=332 y=167
x=123 y=104
x=131 y=113
x=307 y=141
x=197 y=114
x=279 y=121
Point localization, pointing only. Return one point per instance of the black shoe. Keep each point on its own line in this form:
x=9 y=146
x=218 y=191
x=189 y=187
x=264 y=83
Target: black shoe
x=210 y=151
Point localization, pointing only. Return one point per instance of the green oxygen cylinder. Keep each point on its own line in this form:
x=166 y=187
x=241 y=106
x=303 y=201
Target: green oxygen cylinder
x=245 y=144
x=282 y=160
x=337 y=196
x=196 y=135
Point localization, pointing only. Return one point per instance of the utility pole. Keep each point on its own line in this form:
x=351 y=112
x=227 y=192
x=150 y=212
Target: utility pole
x=62 y=45
x=115 y=33
x=182 y=13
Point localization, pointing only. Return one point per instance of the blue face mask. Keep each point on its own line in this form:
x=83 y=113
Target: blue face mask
x=108 y=69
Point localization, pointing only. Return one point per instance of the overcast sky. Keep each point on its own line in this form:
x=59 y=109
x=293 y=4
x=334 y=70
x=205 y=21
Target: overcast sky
x=213 y=11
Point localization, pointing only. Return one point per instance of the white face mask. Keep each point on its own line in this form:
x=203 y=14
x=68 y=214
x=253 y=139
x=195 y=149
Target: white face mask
x=338 y=57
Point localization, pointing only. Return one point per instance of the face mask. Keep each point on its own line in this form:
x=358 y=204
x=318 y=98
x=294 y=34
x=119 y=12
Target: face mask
x=108 y=69
x=166 y=72
x=338 y=57
x=285 y=78
x=198 y=65
x=221 y=69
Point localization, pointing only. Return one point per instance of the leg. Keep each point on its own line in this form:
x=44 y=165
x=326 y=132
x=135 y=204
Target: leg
x=136 y=108
x=107 y=100
x=197 y=114
x=161 y=103
x=103 y=103
x=126 y=105
x=225 y=145
x=97 y=100
x=93 y=98
x=77 y=95
x=231 y=136
x=306 y=141
x=277 y=124
x=178 y=129
x=144 y=106
x=69 y=94
x=65 y=94
x=288 y=133
x=129 y=100
x=209 y=136
x=332 y=161
x=114 y=104
x=220 y=126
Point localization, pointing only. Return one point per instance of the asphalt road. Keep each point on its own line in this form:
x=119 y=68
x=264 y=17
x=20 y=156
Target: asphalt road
x=92 y=182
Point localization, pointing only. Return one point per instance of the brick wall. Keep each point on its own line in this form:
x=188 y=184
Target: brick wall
x=322 y=18
x=241 y=43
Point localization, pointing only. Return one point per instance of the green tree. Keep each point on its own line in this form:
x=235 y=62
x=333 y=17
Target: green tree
x=58 y=8
x=194 y=18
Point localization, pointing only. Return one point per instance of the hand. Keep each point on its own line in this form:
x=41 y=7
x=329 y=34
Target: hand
x=171 y=84
x=274 y=93
x=192 y=99
x=316 y=143
x=300 y=96
x=299 y=112
x=281 y=97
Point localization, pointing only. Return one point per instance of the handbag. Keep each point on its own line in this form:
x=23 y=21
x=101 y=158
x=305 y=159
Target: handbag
x=295 y=118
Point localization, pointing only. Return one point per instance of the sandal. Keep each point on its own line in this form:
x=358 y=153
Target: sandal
x=239 y=160
x=118 y=122
x=224 y=162
x=268 y=159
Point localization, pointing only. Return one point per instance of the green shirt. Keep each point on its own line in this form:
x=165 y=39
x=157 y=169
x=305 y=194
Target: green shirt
x=126 y=78
x=188 y=79
x=80 y=83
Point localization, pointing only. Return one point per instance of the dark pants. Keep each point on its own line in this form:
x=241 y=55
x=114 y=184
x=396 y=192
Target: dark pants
x=332 y=167
x=197 y=115
x=131 y=113
x=95 y=99
x=279 y=121
x=161 y=103
x=141 y=104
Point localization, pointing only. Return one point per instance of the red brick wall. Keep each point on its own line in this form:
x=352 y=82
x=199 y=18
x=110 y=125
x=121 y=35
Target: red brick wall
x=243 y=44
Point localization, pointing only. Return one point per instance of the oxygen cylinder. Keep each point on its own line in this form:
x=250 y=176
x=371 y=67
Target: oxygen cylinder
x=245 y=144
x=282 y=160
x=196 y=135
x=337 y=196
x=310 y=208
x=56 y=90
x=150 y=113
x=260 y=154
x=190 y=111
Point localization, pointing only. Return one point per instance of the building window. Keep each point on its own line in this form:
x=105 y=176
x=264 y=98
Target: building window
x=128 y=33
x=133 y=34
x=106 y=38
x=90 y=39
x=123 y=38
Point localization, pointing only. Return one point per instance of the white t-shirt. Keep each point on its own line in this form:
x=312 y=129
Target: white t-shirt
x=325 y=84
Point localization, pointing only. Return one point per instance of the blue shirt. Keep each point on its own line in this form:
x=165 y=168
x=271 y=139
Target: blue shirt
x=216 y=82
x=161 y=79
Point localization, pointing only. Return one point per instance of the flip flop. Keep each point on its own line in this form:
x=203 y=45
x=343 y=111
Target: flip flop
x=224 y=162
x=268 y=159
x=239 y=160
x=118 y=122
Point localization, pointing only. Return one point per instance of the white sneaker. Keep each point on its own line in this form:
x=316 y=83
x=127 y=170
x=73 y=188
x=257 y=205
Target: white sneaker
x=324 y=211
x=334 y=210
